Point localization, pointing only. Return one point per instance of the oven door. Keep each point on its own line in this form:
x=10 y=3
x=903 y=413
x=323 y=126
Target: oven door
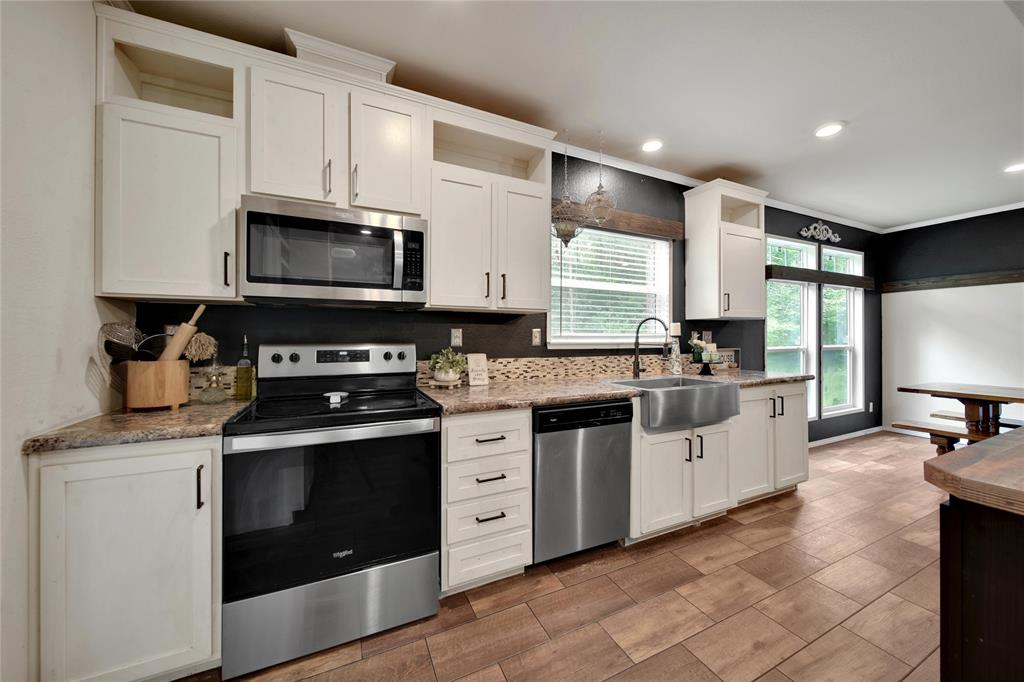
x=301 y=507
x=295 y=250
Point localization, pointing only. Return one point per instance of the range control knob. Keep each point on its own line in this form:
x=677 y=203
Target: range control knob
x=276 y=358
x=294 y=357
x=387 y=356
x=401 y=355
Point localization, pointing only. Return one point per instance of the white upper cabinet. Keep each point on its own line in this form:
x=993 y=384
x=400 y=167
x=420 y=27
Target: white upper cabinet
x=388 y=159
x=711 y=486
x=460 y=251
x=790 y=434
x=725 y=252
x=524 y=237
x=297 y=136
x=128 y=561
x=166 y=205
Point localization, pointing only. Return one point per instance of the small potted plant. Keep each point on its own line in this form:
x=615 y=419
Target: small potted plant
x=698 y=348
x=447 y=365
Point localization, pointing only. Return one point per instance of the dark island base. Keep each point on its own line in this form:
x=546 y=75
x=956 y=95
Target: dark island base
x=981 y=592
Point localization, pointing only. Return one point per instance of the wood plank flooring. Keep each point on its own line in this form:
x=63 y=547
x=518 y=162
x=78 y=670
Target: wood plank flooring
x=838 y=581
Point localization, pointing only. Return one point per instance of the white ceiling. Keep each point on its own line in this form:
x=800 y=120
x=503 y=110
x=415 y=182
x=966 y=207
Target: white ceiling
x=933 y=92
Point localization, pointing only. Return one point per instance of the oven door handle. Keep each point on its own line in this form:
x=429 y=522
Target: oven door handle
x=341 y=434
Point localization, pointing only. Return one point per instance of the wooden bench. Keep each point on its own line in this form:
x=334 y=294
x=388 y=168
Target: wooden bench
x=1008 y=422
x=943 y=436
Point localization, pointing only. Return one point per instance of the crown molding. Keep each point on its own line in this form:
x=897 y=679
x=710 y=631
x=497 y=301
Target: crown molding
x=958 y=216
x=312 y=48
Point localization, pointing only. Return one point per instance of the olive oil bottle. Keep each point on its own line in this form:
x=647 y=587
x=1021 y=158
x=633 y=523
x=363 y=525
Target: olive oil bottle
x=243 y=373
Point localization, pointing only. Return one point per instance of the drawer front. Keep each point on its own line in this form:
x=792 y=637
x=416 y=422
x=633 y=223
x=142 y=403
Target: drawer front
x=480 y=437
x=477 y=478
x=478 y=518
x=490 y=556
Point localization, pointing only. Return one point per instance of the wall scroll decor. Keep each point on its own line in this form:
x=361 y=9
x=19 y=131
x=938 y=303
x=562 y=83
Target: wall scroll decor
x=821 y=232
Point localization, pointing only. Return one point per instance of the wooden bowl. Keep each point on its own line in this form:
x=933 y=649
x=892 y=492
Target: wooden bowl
x=160 y=383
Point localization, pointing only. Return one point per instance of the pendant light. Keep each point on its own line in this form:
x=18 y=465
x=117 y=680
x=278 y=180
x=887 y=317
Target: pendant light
x=601 y=202
x=567 y=218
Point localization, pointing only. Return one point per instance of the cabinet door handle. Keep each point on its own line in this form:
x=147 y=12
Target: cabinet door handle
x=700 y=452
x=728 y=303
x=689 y=450
x=330 y=176
x=504 y=286
x=499 y=477
x=199 y=487
x=355 y=181
x=227 y=255
x=782 y=406
x=772 y=415
x=490 y=518
x=488 y=276
x=490 y=440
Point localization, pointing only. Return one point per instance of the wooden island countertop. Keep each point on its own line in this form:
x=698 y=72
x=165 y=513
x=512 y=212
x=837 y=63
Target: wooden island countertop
x=990 y=472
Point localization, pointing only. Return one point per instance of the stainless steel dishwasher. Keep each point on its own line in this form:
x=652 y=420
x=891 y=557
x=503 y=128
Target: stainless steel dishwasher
x=581 y=458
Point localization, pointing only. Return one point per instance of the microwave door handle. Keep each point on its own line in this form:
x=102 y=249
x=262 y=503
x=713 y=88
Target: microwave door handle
x=399 y=260
x=343 y=434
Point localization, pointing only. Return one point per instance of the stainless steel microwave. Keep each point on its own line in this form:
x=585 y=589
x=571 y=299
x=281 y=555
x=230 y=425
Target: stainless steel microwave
x=294 y=250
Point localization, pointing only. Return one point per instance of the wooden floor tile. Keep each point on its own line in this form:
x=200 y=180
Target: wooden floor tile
x=927 y=671
x=675 y=664
x=827 y=544
x=452 y=611
x=859 y=579
x=726 y=592
x=654 y=576
x=462 y=650
x=901 y=628
x=868 y=527
x=583 y=566
x=744 y=646
x=491 y=673
x=773 y=675
x=768 y=533
x=924 y=531
x=584 y=654
x=535 y=582
x=781 y=566
x=308 y=666
x=712 y=553
x=808 y=609
x=568 y=609
x=655 y=625
x=408 y=662
x=819 y=487
x=683 y=537
x=754 y=511
x=898 y=555
x=922 y=588
x=841 y=656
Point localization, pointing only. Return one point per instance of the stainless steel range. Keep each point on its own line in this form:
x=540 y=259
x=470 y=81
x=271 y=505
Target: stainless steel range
x=331 y=503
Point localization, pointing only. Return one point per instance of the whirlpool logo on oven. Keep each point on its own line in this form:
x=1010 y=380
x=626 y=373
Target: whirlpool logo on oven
x=342 y=554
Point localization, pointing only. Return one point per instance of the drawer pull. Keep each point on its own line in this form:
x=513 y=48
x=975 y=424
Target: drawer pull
x=493 y=478
x=490 y=440
x=490 y=518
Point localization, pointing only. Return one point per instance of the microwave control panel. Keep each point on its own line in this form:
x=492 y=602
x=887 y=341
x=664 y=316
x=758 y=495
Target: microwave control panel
x=412 y=267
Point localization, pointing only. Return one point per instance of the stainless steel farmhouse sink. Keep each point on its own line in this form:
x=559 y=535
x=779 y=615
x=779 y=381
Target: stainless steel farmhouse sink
x=674 y=403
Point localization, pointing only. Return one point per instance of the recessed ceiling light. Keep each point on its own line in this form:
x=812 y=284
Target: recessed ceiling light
x=651 y=145
x=1014 y=168
x=829 y=129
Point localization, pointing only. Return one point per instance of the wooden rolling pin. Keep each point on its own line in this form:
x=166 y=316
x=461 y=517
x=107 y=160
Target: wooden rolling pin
x=186 y=330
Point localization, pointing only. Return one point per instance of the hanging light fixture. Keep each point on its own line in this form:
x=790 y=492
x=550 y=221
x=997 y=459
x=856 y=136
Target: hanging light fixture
x=567 y=218
x=601 y=202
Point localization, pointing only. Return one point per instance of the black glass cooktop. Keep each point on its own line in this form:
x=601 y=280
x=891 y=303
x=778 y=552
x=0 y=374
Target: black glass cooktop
x=289 y=413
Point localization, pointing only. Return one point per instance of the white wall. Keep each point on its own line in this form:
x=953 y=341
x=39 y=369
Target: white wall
x=970 y=335
x=49 y=318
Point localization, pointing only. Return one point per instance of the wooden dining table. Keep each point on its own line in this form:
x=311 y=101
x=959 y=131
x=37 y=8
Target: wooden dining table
x=982 y=404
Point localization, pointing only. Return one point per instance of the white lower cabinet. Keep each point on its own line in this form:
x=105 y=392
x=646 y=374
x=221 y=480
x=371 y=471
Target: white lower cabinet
x=790 y=434
x=487 y=502
x=665 y=480
x=711 y=489
x=129 y=568
x=769 y=448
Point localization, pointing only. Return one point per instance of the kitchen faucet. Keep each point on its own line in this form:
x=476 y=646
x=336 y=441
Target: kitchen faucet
x=636 y=345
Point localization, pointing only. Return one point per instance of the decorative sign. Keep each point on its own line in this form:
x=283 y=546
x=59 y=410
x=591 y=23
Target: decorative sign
x=821 y=232
x=477 y=369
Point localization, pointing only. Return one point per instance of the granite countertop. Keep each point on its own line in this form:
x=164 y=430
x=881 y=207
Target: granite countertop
x=523 y=394
x=990 y=472
x=194 y=420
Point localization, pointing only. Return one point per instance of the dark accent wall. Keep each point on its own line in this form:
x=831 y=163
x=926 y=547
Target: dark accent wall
x=988 y=243
x=501 y=335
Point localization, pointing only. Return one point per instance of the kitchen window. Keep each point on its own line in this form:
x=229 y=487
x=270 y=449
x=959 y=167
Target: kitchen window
x=817 y=328
x=603 y=284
